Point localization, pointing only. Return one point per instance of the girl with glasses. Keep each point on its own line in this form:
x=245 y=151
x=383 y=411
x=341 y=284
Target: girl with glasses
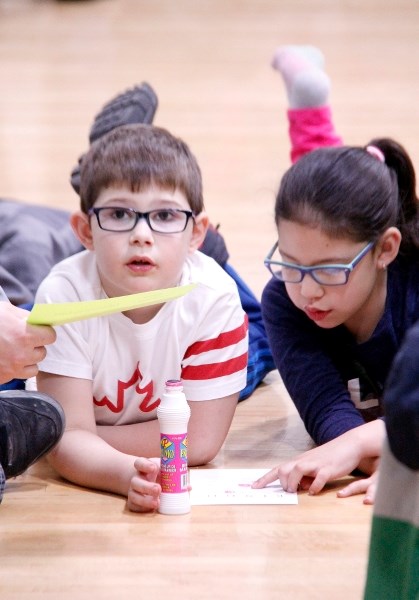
x=345 y=285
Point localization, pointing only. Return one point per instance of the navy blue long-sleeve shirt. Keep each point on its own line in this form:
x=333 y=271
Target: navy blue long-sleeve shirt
x=335 y=383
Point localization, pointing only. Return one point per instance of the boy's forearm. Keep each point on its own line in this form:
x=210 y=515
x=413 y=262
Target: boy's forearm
x=208 y=427
x=137 y=439
x=143 y=439
x=106 y=461
x=85 y=459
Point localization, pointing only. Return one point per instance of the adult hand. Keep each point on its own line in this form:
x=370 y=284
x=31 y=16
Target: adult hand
x=144 y=491
x=22 y=346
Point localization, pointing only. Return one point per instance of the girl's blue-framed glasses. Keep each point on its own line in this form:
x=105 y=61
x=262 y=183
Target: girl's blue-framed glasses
x=331 y=274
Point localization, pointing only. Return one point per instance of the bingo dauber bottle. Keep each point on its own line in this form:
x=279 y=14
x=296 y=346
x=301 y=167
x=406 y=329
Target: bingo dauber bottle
x=173 y=414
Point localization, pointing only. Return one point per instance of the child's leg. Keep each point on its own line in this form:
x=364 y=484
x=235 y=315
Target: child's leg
x=311 y=128
x=136 y=105
x=260 y=361
x=307 y=86
x=394 y=540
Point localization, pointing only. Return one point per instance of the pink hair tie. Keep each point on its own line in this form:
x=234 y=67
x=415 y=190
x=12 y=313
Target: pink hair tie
x=376 y=153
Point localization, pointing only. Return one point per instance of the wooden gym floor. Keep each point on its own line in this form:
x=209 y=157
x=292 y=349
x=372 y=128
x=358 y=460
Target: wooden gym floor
x=208 y=61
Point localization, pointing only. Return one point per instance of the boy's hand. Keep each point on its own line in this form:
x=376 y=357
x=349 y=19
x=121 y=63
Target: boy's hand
x=144 y=491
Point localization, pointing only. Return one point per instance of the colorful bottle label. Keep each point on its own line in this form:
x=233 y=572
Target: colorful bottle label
x=174 y=463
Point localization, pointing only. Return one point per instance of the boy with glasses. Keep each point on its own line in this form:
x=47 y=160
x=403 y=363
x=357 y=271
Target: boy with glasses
x=141 y=221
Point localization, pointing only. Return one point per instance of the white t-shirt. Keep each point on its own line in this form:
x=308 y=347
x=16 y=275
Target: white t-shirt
x=200 y=338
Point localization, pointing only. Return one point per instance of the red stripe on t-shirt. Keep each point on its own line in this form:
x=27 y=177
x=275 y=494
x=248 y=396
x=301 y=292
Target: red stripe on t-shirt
x=214 y=370
x=227 y=338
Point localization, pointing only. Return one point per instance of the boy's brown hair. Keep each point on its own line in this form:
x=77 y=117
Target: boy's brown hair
x=137 y=156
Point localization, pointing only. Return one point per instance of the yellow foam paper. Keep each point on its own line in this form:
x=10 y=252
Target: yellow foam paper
x=67 y=312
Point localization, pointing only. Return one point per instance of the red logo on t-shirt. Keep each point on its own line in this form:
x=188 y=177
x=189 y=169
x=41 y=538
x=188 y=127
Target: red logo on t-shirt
x=146 y=405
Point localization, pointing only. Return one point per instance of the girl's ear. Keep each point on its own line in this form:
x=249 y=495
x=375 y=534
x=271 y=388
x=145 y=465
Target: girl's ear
x=200 y=226
x=388 y=247
x=80 y=223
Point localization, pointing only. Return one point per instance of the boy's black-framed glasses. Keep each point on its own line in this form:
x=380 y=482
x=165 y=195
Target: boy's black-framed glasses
x=161 y=220
x=328 y=274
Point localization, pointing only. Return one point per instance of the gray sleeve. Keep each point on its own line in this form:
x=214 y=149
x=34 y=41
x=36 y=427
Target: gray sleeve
x=32 y=240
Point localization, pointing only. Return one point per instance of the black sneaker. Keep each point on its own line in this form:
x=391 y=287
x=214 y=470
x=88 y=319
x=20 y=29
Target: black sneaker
x=31 y=424
x=136 y=105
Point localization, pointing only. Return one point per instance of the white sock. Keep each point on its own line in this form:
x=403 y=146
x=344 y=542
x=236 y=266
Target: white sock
x=302 y=69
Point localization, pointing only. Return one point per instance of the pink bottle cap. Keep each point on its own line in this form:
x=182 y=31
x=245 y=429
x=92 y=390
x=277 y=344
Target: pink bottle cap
x=174 y=384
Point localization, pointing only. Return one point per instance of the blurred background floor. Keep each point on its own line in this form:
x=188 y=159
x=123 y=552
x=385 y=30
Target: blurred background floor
x=209 y=62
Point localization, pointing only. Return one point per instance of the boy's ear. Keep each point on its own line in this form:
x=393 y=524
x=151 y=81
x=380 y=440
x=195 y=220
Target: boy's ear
x=388 y=247
x=80 y=223
x=200 y=226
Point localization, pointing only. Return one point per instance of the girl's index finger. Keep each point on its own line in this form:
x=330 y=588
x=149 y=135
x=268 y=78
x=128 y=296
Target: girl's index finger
x=263 y=481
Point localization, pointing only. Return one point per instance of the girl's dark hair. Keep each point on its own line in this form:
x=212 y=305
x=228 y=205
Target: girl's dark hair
x=346 y=191
x=137 y=156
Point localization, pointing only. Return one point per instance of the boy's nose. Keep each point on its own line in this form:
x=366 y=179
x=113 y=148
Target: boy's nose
x=141 y=232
